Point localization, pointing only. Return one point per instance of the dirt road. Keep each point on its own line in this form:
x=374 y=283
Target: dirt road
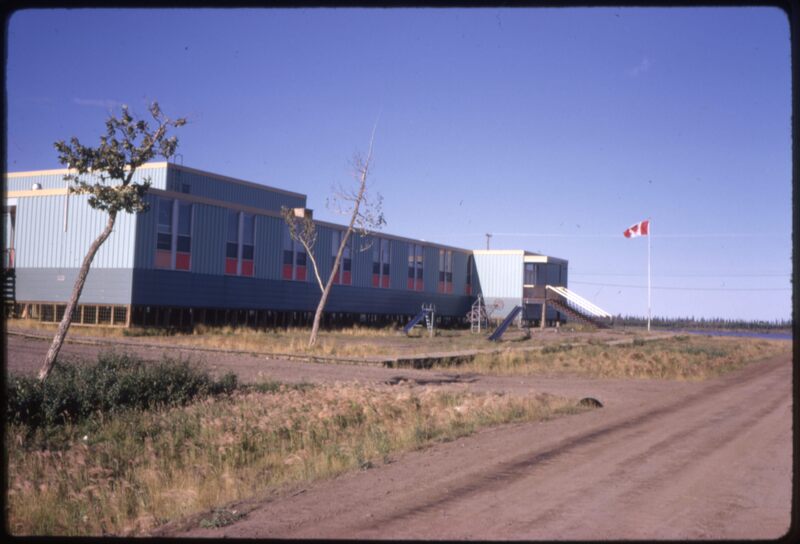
x=708 y=460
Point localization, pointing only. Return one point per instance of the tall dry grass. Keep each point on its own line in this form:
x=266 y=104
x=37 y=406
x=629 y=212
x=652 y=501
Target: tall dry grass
x=136 y=471
x=355 y=341
x=677 y=358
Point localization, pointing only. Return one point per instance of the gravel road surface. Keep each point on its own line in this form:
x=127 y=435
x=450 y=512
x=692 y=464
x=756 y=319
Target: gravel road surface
x=694 y=461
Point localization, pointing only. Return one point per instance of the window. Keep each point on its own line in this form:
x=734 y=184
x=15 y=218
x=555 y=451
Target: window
x=183 y=254
x=164 y=236
x=344 y=274
x=470 y=264
x=445 y=271
x=232 y=245
x=294 y=258
x=239 y=247
x=248 y=243
x=530 y=274
x=415 y=267
x=380 y=263
x=174 y=235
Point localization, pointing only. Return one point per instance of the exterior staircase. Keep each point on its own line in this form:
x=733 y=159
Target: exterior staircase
x=578 y=315
x=577 y=307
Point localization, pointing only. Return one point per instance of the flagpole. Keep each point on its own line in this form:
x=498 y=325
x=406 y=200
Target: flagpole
x=649 y=234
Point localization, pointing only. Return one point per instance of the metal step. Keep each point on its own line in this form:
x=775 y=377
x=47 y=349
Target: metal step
x=9 y=286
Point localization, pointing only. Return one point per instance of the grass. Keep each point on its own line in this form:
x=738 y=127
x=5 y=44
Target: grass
x=677 y=358
x=356 y=341
x=132 y=472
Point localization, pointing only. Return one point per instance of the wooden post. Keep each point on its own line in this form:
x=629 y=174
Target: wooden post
x=128 y=316
x=544 y=313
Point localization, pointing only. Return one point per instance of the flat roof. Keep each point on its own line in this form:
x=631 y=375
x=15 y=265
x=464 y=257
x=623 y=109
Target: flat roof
x=165 y=164
x=527 y=256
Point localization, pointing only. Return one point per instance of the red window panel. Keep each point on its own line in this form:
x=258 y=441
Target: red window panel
x=301 y=273
x=230 y=266
x=441 y=287
x=385 y=282
x=287 y=272
x=419 y=285
x=376 y=280
x=449 y=287
x=163 y=258
x=411 y=283
x=182 y=261
x=348 y=279
x=247 y=268
x=468 y=290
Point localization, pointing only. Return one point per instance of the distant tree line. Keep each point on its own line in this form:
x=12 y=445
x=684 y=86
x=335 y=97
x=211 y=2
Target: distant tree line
x=702 y=323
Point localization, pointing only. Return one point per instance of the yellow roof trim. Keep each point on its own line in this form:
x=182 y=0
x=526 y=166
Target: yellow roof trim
x=38 y=192
x=498 y=251
x=62 y=171
x=535 y=259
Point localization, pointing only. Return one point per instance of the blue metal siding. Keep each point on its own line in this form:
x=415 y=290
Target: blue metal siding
x=146 y=223
x=209 y=233
x=323 y=252
x=500 y=277
x=362 y=262
x=430 y=273
x=398 y=268
x=208 y=186
x=459 y=272
x=268 y=247
x=42 y=243
x=168 y=288
x=103 y=285
x=500 y=274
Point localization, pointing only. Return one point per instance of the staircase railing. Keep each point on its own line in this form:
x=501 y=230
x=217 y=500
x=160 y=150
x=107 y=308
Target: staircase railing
x=579 y=302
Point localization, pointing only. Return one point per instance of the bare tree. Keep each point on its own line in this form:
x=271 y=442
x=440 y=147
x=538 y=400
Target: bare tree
x=365 y=213
x=127 y=144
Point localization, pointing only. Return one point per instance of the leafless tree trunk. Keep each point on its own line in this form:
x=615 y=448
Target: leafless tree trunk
x=365 y=215
x=357 y=200
x=66 y=321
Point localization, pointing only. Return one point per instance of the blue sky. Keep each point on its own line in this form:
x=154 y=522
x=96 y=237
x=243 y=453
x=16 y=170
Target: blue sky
x=553 y=129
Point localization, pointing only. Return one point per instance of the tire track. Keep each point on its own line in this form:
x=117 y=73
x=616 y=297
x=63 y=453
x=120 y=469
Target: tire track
x=667 y=456
x=525 y=465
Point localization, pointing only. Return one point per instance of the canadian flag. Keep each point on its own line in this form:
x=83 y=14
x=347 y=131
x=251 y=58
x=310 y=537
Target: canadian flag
x=639 y=229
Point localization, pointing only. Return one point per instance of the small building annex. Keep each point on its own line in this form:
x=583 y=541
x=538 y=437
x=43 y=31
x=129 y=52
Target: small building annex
x=214 y=249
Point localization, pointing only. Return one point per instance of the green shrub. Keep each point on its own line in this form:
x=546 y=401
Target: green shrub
x=73 y=392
